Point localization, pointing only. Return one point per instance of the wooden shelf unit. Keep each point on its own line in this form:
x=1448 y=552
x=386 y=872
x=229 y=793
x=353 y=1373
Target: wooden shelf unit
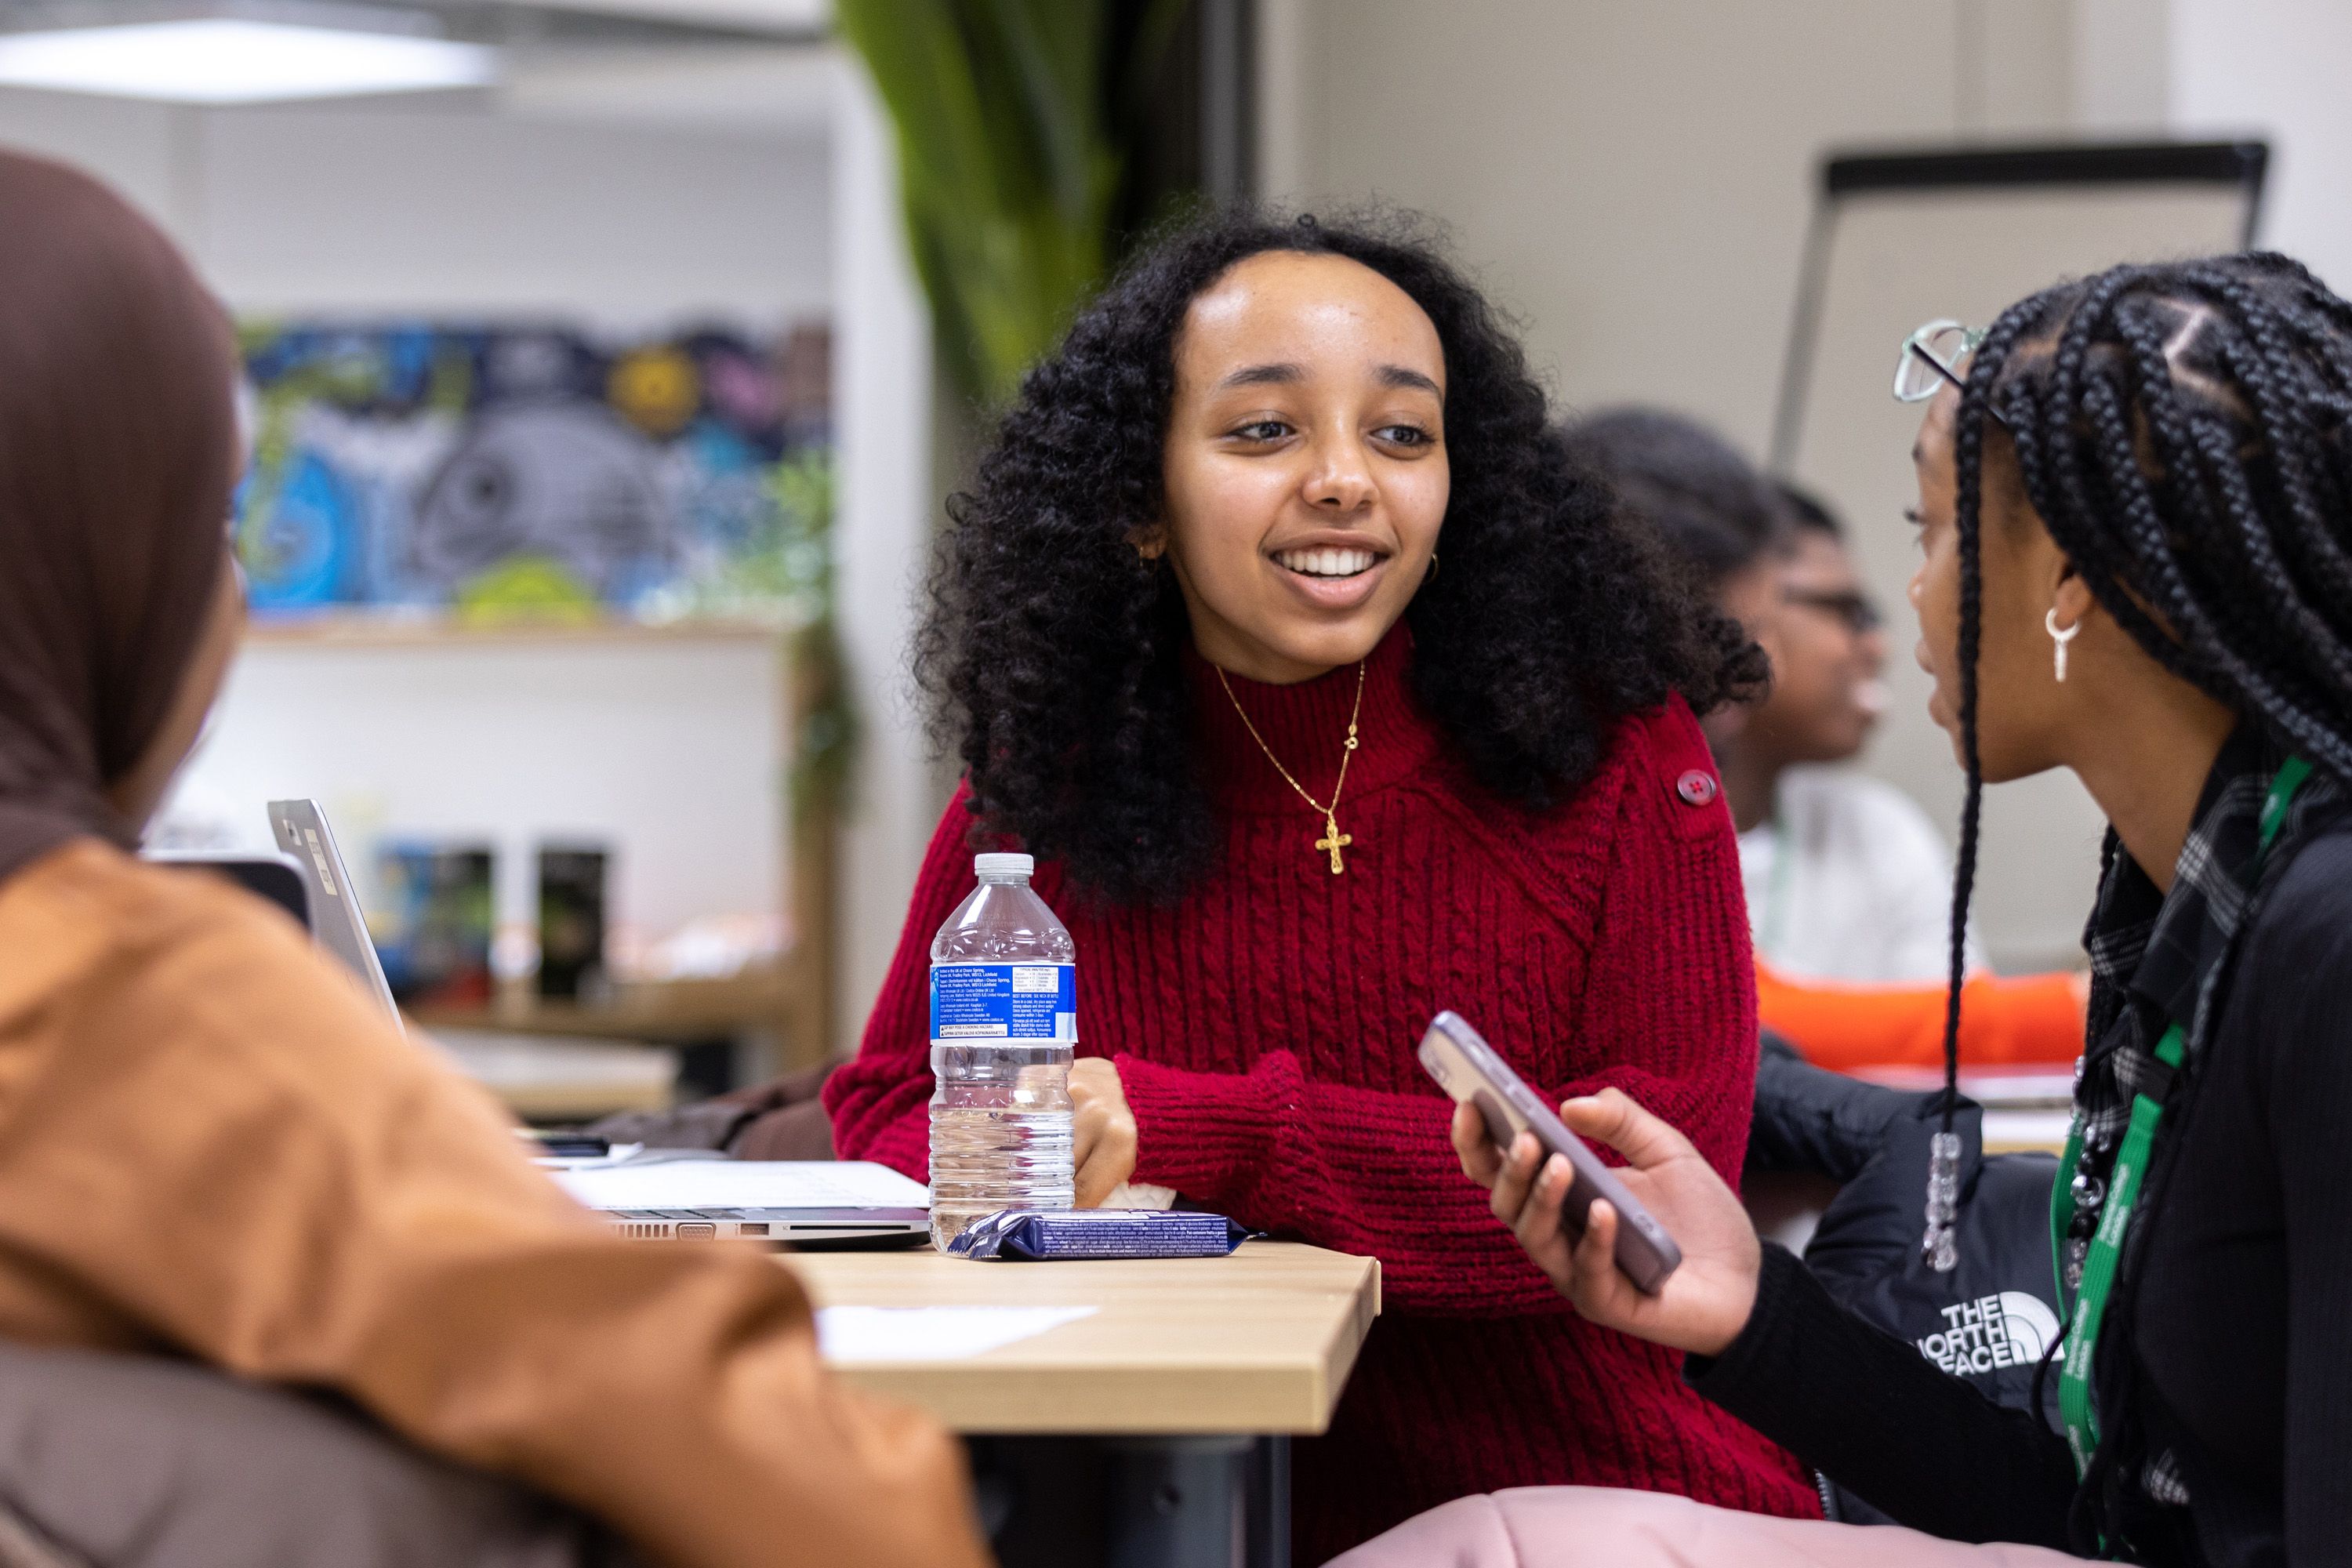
x=662 y=1012
x=793 y=998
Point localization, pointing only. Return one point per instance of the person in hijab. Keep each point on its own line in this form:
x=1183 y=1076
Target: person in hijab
x=211 y=1146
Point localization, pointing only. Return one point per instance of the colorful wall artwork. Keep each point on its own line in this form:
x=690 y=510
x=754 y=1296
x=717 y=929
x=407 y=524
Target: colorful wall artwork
x=506 y=471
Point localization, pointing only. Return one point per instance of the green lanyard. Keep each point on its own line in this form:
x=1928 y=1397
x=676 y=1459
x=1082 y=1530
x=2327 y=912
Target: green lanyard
x=2123 y=1188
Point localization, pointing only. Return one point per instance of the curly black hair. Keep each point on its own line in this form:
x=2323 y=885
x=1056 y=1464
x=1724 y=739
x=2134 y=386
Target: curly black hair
x=1051 y=650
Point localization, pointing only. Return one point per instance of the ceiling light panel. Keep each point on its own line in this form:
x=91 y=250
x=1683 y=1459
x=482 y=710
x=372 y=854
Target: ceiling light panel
x=221 y=60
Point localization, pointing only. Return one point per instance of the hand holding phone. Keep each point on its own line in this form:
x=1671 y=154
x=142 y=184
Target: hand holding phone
x=1707 y=1300
x=1466 y=1067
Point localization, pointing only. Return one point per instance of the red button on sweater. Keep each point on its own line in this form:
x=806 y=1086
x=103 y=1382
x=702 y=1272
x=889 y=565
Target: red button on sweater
x=1265 y=1026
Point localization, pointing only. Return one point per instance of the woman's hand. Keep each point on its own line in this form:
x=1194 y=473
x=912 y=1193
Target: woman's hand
x=1102 y=1131
x=1706 y=1302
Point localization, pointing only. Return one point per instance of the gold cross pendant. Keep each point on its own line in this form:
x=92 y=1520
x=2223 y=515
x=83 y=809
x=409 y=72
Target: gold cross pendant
x=1334 y=840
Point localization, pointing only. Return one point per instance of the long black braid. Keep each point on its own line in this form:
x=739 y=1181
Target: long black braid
x=2184 y=430
x=1969 y=451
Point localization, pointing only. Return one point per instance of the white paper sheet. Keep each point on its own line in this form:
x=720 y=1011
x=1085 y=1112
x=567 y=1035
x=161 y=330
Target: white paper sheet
x=2046 y=1129
x=744 y=1184
x=2008 y=1089
x=847 y=1335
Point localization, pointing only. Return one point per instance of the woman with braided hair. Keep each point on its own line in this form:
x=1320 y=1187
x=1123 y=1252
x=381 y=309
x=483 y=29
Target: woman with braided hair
x=2135 y=516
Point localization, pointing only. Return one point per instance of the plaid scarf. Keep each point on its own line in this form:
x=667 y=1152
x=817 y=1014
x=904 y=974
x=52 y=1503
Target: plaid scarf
x=2158 y=960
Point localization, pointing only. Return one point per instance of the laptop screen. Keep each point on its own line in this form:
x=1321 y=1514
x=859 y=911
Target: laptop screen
x=336 y=920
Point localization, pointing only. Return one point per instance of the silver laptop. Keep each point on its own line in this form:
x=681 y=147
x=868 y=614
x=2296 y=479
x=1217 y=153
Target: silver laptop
x=337 y=922
x=657 y=1195
x=660 y=1196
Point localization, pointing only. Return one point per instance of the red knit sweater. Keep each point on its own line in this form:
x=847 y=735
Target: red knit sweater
x=1264 y=1028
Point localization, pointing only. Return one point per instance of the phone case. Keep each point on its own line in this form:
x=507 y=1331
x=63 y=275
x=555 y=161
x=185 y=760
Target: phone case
x=1467 y=1068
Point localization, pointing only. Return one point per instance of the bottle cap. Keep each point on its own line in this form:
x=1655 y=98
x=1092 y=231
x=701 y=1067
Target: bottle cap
x=1003 y=865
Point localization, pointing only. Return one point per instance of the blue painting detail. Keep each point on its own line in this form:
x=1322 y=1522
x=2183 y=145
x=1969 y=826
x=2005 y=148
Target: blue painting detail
x=525 y=469
x=312 y=539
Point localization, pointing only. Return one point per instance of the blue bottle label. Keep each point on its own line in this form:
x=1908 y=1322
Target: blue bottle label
x=1005 y=1002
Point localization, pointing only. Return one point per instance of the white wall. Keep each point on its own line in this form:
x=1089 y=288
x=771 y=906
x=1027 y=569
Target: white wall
x=883 y=426
x=311 y=209
x=446 y=205
x=2272 y=68
x=1633 y=179
x=133 y=146
x=450 y=206
x=2275 y=68
x=2121 y=57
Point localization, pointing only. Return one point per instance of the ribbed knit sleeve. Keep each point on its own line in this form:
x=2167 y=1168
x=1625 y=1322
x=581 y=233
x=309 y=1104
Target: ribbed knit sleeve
x=1357 y=1170
x=1669 y=996
x=1666 y=1012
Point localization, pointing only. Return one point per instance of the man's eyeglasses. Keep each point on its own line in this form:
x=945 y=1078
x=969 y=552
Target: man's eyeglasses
x=1861 y=617
x=1930 y=362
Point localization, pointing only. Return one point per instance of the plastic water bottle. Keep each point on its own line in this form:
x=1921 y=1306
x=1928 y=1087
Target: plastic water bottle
x=1004 y=1028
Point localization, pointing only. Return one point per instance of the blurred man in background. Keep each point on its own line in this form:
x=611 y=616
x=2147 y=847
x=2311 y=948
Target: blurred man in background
x=1846 y=877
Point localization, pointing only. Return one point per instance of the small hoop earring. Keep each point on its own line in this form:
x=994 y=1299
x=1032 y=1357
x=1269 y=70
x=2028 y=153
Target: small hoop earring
x=2061 y=638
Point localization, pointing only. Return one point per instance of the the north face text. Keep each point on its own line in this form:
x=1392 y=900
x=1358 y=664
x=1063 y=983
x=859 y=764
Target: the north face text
x=2012 y=1328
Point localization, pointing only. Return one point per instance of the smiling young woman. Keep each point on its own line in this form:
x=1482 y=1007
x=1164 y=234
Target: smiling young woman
x=1330 y=693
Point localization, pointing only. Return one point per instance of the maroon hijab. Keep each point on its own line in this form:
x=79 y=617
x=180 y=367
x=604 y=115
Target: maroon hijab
x=116 y=443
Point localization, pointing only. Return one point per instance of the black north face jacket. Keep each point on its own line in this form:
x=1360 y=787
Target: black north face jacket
x=1992 y=1319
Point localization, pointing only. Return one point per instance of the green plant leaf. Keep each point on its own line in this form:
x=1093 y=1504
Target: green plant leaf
x=1007 y=166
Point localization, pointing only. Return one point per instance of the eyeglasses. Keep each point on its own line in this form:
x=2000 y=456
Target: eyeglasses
x=1930 y=360
x=1860 y=617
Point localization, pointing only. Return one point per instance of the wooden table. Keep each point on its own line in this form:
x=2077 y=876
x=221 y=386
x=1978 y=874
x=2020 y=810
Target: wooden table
x=1152 y=1434
x=1260 y=1342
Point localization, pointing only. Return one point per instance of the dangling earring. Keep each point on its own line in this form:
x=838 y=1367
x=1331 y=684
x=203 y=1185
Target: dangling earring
x=2050 y=624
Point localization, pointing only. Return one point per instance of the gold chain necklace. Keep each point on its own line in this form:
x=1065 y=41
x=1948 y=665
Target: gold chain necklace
x=1333 y=840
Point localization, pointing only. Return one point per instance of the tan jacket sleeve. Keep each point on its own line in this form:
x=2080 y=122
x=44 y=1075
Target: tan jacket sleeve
x=207 y=1132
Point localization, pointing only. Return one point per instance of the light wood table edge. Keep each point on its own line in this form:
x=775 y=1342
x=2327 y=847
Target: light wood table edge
x=1010 y=1392
x=1007 y=1401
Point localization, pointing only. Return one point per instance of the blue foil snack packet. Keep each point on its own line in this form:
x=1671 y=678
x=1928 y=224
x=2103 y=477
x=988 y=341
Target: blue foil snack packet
x=1039 y=1235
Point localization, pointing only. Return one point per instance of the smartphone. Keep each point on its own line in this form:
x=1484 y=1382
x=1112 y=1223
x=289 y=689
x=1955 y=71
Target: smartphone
x=1466 y=1067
